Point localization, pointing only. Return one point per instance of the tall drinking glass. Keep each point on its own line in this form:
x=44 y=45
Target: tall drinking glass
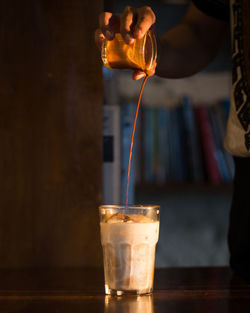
x=129 y=235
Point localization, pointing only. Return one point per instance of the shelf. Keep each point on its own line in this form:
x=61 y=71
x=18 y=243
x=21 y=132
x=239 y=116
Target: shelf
x=176 y=187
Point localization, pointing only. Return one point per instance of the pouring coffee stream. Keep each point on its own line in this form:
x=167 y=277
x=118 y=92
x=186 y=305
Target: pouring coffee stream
x=132 y=138
x=141 y=55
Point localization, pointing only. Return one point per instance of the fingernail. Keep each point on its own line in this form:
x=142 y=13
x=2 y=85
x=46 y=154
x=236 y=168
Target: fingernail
x=141 y=75
x=128 y=39
x=109 y=34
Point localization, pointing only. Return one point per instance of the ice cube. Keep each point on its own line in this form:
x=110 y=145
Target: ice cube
x=125 y=218
x=138 y=218
x=118 y=218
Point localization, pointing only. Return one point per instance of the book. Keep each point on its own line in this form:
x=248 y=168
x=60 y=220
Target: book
x=179 y=170
x=111 y=155
x=218 y=143
x=128 y=110
x=148 y=144
x=221 y=119
x=163 y=122
x=208 y=145
x=171 y=142
x=192 y=145
x=156 y=145
x=226 y=106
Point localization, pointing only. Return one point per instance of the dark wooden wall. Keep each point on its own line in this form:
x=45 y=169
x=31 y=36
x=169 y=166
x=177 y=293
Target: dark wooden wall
x=50 y=133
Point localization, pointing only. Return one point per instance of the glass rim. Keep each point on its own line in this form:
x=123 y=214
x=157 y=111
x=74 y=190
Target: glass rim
x=130 y=207
x=151 y=35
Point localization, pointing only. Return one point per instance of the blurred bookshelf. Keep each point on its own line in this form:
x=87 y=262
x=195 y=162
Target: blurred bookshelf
x=183 y=188
x=178 y=145
x=184 y=145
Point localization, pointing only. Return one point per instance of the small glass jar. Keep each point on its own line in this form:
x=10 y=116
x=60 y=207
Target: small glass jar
x=141 y=54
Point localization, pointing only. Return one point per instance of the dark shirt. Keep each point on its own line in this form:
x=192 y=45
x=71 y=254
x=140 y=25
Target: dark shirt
x=218 y=9
x=237 y=140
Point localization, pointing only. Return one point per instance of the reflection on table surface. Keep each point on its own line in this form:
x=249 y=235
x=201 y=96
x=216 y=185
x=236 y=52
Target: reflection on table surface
x=176 y=290
x=129 y=304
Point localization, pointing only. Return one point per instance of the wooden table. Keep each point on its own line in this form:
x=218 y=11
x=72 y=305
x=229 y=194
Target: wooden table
x=179 y=290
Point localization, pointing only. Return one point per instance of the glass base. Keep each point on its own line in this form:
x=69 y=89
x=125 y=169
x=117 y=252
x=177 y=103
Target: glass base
x=115 y=292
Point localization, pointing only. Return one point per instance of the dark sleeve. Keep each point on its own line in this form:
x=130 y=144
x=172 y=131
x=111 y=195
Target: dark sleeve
x=218 y=9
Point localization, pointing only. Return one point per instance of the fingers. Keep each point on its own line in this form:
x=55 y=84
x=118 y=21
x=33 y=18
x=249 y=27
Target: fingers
x=135 y=22
x=145 y=19
x=127 y=19
x=104 y=25
x=149 y=72
x=132 y=23
x=109 y=24
x=99 y=37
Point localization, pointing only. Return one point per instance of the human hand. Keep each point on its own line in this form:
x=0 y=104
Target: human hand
x=132 y=23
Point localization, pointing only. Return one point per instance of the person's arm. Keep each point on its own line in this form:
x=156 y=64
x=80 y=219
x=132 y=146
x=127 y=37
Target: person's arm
x=182 y=51
x=190 y=46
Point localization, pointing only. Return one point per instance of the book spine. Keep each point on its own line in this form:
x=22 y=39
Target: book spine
x=220 y=116
x=195 y=161
x=208 y=145
x=127 y=120
x=156 y=148
x=218 y=136
x=185 y=139
x=180 y=145
x=111 y=155
x=172 y=142
x=149 y=144
x=163 y=145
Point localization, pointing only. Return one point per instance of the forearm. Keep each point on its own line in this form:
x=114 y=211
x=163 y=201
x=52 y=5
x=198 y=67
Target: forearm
x=189 y=47
x=182 y=51
x=180 y=54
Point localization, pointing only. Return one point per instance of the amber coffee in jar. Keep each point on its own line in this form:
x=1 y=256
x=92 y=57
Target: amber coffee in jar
x=141 y=54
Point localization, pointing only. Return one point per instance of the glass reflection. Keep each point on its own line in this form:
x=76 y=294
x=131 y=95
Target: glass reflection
x=129 y=304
